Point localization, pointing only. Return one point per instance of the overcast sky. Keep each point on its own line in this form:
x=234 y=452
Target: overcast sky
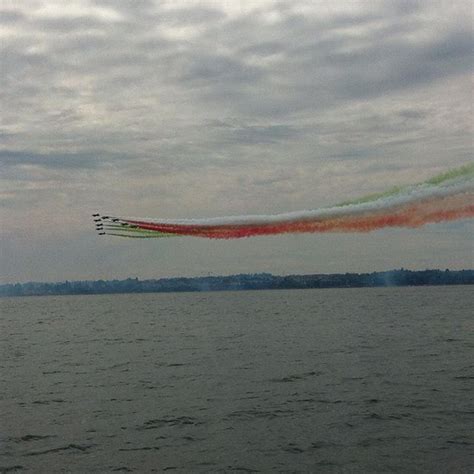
x=195 y=109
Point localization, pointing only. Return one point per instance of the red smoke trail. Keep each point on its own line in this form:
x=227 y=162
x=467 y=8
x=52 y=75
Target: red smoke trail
x=435 y=209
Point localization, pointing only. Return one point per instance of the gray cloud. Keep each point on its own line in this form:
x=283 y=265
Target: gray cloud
x=217 y=108
x=51 y=161
x=10 y=16
x=260 y=134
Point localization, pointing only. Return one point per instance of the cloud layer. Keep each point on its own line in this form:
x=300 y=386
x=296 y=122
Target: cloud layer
x=178 y=109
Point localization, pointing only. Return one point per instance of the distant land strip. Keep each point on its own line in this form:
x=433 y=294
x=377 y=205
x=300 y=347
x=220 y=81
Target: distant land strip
x=254 y=281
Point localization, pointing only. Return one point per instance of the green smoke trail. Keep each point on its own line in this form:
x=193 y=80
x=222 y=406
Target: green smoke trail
x=465 y=171
x=117 y=229
x=152 y=235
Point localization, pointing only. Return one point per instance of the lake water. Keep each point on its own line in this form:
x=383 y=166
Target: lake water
x=341 y=380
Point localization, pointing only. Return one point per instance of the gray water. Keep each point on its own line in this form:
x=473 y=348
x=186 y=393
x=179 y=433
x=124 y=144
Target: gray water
x=342 y=380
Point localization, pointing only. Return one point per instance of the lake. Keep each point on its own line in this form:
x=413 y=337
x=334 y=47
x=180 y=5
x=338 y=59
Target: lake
x=340 y=380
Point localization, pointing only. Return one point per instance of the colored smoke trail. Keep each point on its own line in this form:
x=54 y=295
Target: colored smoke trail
x=446 y=197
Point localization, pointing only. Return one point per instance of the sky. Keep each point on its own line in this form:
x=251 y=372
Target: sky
x=180 y=109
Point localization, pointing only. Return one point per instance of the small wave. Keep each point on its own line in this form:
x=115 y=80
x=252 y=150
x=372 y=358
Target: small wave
x=293 y=448
x=30 y=437
x=462 y=442
x=294 y=377
x=375 y=416
x=160 y=422
x=5 y=469
x=141 y=448
x=394 y=416
x=326 y=463
x=48 y=402
x=255 y=413
x=114 y=366
x=69 y=447
x=324 y=445
x=241 y=469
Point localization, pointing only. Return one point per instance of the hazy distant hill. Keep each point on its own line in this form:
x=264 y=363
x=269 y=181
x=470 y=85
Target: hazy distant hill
x=258 y=281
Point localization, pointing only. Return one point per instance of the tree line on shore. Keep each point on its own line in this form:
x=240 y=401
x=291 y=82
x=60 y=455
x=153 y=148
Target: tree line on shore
x=255 y=281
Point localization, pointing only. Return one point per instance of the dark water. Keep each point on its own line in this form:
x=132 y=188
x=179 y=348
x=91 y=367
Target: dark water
x=350 y=380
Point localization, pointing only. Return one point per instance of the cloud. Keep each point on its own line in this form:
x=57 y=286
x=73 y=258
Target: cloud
x=205 y=107
x=51 y=161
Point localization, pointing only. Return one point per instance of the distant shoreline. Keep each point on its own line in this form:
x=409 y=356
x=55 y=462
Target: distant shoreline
x=256 y=281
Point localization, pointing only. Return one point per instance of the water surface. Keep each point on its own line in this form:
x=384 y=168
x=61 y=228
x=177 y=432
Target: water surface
x=340 y=380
